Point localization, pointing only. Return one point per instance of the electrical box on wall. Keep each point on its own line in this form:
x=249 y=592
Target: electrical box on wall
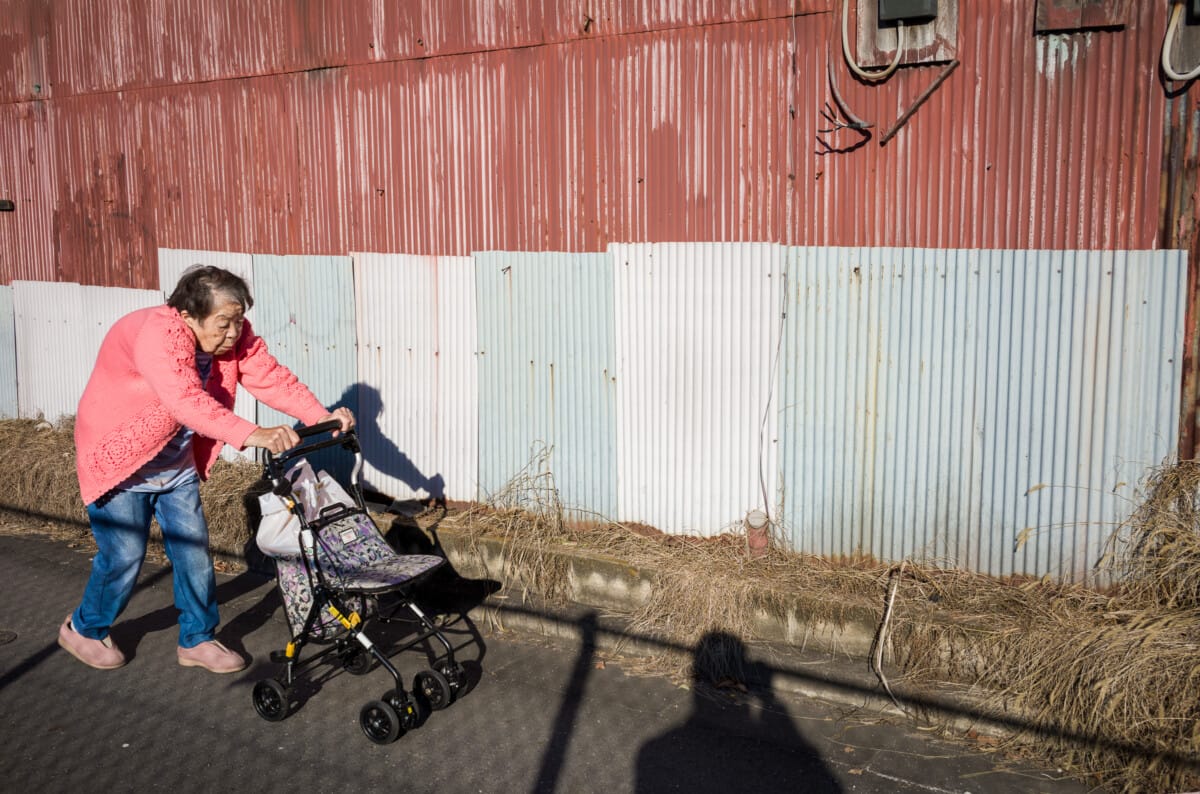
x=909 y=11
x=929 y=34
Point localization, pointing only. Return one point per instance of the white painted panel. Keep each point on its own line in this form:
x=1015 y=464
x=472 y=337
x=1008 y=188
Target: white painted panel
x=59 y=328
x=8 y=354
x=417 y=374
x=697 y=330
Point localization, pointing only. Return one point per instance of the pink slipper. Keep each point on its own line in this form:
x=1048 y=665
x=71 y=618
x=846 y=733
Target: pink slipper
x=212 y=656
x=101 y=654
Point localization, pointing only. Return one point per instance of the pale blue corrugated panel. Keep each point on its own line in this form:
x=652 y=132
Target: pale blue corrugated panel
x=418 y=394
x=698 y=329
x=172 y=262
x=990 y=410
x=304 y=310
x=8 y=354
x=59 y=327
x=546 y=373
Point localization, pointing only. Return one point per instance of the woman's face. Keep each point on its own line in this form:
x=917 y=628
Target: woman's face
x=218 y=332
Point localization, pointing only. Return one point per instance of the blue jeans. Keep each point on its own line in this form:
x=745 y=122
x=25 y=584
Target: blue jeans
x=121 y=526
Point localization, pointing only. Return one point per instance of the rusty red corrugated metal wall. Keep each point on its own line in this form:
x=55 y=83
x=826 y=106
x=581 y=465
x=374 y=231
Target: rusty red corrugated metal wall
x=451 y=127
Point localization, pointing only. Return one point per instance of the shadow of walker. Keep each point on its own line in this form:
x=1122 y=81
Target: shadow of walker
x=725 y=744
x=385 y=457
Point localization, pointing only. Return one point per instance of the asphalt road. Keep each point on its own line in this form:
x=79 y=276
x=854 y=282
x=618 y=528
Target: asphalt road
x=540 y=715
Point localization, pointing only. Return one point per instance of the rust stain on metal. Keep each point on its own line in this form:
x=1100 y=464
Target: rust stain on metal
x=673 y=121
x=1181 y=230
x=1080 y=14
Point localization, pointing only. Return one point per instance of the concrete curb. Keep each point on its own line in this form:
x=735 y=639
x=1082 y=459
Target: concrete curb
x=793 y=653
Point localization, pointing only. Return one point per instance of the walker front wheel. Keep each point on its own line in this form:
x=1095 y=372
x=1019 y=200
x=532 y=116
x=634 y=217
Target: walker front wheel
x=271 y=700
x=379 y=722
x=409 y=708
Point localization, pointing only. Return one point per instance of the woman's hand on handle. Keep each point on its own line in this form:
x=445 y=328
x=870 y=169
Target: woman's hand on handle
x=342 y=415
x=275 y=439
x=282 y=438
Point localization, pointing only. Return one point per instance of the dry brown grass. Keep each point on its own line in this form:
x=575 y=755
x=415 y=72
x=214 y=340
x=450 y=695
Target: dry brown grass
x=1104 y=684
x=1159 y=553
x=37 y=465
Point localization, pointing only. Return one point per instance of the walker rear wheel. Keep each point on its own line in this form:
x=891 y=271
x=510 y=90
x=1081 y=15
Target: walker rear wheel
x=433 y=686
x=271 y=700
x=379 y=722
x=453 y=673
x=356 y=661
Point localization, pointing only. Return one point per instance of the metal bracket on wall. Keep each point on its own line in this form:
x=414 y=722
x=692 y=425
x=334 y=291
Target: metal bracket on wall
x=928 y=92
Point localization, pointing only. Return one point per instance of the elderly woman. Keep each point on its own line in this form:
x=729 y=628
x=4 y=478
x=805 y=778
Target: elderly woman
x=150 y=425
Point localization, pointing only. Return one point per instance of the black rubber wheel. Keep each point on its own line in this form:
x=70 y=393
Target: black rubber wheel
x=434 y=688
x=379 y=722
x=408 y=708
x=356 y=660
x=271 y=700
x=454 y=674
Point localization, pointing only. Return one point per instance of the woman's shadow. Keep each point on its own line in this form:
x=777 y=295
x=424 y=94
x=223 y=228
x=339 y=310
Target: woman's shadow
x=385 y=456
x=725 y=745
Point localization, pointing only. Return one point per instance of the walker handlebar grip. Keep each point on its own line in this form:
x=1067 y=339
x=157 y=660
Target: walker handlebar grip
x=317 y=429
x=347 y=440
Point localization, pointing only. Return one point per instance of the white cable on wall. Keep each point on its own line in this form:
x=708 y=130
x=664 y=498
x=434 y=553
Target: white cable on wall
x=850 y=60
x=1168 y=41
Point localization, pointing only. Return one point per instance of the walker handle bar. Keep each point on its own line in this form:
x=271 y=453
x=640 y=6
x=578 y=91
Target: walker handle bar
x=317 y=429
x=347 y=439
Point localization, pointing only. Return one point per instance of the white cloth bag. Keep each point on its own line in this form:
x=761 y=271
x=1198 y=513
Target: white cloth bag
x=279 y=529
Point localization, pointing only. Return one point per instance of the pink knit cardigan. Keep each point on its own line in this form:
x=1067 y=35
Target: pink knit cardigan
x=145 y=386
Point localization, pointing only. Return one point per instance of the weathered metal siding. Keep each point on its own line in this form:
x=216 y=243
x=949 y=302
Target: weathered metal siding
x=304 y=309
x=681 y=131
x=418 y=394
x=108 y=184
x=128 y=44
x=24 y=46
x=27 y=237
x=1047 y=141
x=8 y=354
x=1181 y=229
x=697 y=331
x=59 y=328
x=547 y=375
x=993 y=410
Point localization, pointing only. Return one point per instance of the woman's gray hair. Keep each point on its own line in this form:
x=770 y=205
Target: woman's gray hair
x=199 y=284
